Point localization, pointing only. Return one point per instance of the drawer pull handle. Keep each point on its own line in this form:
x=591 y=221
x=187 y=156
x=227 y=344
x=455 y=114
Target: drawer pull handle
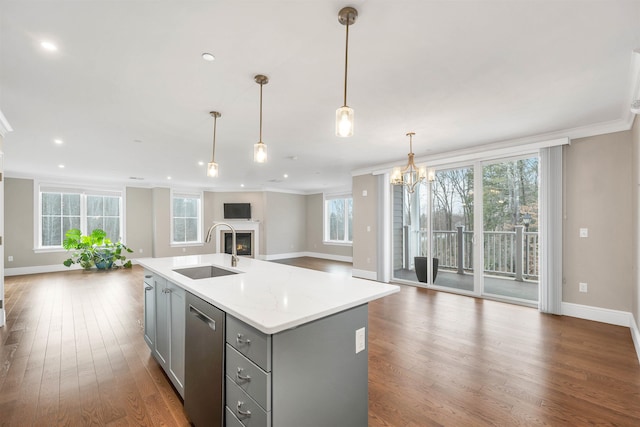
x=243 y=414
x=241 y=377
x=241 y=341
x=148 y=277
x=148 y=288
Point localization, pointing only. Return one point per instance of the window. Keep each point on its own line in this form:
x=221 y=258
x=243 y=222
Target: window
x=338 y=219
x=186 y=214
x=61 y=209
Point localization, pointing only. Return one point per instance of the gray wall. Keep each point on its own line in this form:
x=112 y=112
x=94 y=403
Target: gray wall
x=285 y=223
x=598 y=196
x=314 y=230
x=139 y=221
x=365 y=224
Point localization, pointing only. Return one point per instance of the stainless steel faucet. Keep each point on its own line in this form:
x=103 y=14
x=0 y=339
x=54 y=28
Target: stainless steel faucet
x=234 y=253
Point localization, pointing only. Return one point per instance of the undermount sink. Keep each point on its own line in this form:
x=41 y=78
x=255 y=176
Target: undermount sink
x=204 y=272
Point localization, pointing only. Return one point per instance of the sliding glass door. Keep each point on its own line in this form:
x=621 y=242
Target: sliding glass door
x=445 y=237
x=510 y=224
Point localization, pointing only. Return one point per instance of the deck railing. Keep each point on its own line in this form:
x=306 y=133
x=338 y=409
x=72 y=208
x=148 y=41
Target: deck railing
x=506 y=253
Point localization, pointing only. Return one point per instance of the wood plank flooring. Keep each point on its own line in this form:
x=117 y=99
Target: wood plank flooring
x=72 y=354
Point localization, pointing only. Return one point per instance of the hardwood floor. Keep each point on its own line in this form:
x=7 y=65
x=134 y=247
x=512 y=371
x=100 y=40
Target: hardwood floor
x=72 y=353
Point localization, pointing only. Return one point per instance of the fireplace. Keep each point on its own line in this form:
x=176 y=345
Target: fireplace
x=244 y=243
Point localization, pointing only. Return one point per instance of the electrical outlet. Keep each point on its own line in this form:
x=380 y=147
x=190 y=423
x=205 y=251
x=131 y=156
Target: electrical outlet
x=10 y=258
x=140 y=250
x=584 y=232
x=583 y=287
x=360 y=340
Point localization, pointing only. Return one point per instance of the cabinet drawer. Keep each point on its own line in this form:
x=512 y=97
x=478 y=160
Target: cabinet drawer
x=230 y=419
x=244 y=407
x=249 y=377
x=250 y=342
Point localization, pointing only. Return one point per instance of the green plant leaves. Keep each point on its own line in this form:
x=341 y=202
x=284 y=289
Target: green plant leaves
x=94 y=249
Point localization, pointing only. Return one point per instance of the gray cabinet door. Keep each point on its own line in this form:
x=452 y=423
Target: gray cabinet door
x=162 y=321
x=177 y=305
x=149 y=313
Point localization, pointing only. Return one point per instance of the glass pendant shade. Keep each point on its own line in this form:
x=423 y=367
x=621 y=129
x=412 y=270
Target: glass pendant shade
x=260 y=152
x=344 y=121
x=212 y=169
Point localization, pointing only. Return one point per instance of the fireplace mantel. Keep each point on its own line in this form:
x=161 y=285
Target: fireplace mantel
x=242 y=226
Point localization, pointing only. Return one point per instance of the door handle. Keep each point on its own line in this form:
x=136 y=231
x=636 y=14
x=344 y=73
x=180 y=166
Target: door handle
x=148 y=288
x=200 y=315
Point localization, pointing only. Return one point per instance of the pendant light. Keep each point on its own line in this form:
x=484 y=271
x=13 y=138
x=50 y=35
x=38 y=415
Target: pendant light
x=344 y=115
x=260 y=149
x=409 y=176
x=212 y=167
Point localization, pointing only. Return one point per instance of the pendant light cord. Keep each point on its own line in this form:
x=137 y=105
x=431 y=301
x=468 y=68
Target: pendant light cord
x=346 y=62
x=260 y=113
x=213 y=154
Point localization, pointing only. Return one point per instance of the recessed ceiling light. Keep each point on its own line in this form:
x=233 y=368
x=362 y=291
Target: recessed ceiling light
x=201 y=163
x=168 y=177
x=286 y=175
x=48 y=46
x=61 y=166
x=58 y=141
x=208 y=57
x=241 y=185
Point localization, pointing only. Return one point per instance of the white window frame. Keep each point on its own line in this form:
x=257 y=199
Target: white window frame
x=325 y=220
x=199 y=195
x=42 y=187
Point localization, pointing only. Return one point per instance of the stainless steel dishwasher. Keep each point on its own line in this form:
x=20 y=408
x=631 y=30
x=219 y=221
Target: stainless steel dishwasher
x=204 y=363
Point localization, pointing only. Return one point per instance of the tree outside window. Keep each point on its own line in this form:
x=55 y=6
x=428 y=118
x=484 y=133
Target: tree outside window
x=186 y=219
x=338 y=225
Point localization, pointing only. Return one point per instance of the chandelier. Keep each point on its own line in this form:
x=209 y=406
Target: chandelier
x=410 y=175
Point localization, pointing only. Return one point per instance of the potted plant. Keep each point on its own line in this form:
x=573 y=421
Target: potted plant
x=95 y=249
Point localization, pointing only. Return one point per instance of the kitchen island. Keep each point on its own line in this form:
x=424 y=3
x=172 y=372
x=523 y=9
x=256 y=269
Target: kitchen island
x=293 y=346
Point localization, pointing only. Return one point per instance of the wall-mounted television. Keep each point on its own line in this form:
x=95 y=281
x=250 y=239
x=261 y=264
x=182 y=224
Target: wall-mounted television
x=237 y=211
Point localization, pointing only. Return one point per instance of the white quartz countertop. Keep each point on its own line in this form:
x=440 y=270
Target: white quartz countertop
x=270 y=297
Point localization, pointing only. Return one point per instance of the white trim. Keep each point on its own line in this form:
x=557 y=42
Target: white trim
x=284 y=256
x=635 y=335
x=186 y=194
x=487 y=152
x=598 y=314
x=5 y=127
x=36 y=269
x=320 y=255
x=364 y=274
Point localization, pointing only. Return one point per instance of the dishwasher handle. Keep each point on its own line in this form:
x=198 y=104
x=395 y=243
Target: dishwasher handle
x=200 y=315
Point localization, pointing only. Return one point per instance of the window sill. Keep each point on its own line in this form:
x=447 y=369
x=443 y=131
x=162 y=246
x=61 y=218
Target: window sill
x=186 y=245
x=48 y=250
x=336 y=243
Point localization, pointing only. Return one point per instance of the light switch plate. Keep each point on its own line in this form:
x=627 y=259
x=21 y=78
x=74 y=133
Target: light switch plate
x=583 y=287
x=360 y=340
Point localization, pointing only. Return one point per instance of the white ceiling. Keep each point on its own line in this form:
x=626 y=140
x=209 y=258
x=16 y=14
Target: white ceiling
x=130 y=96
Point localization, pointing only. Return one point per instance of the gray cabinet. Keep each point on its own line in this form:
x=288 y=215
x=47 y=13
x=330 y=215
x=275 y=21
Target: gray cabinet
x=169 y=330
x=149 y=310
x=313 y=375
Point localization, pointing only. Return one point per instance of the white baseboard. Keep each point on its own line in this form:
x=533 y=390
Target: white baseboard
x=19 y=271
x=309 y=254
x=321 y=255
x=598 y=314
x=364 y=274
x=605 y=315
x=635 y=334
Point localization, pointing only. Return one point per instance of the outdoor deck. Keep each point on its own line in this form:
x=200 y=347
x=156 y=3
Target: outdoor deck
x=500 y=286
